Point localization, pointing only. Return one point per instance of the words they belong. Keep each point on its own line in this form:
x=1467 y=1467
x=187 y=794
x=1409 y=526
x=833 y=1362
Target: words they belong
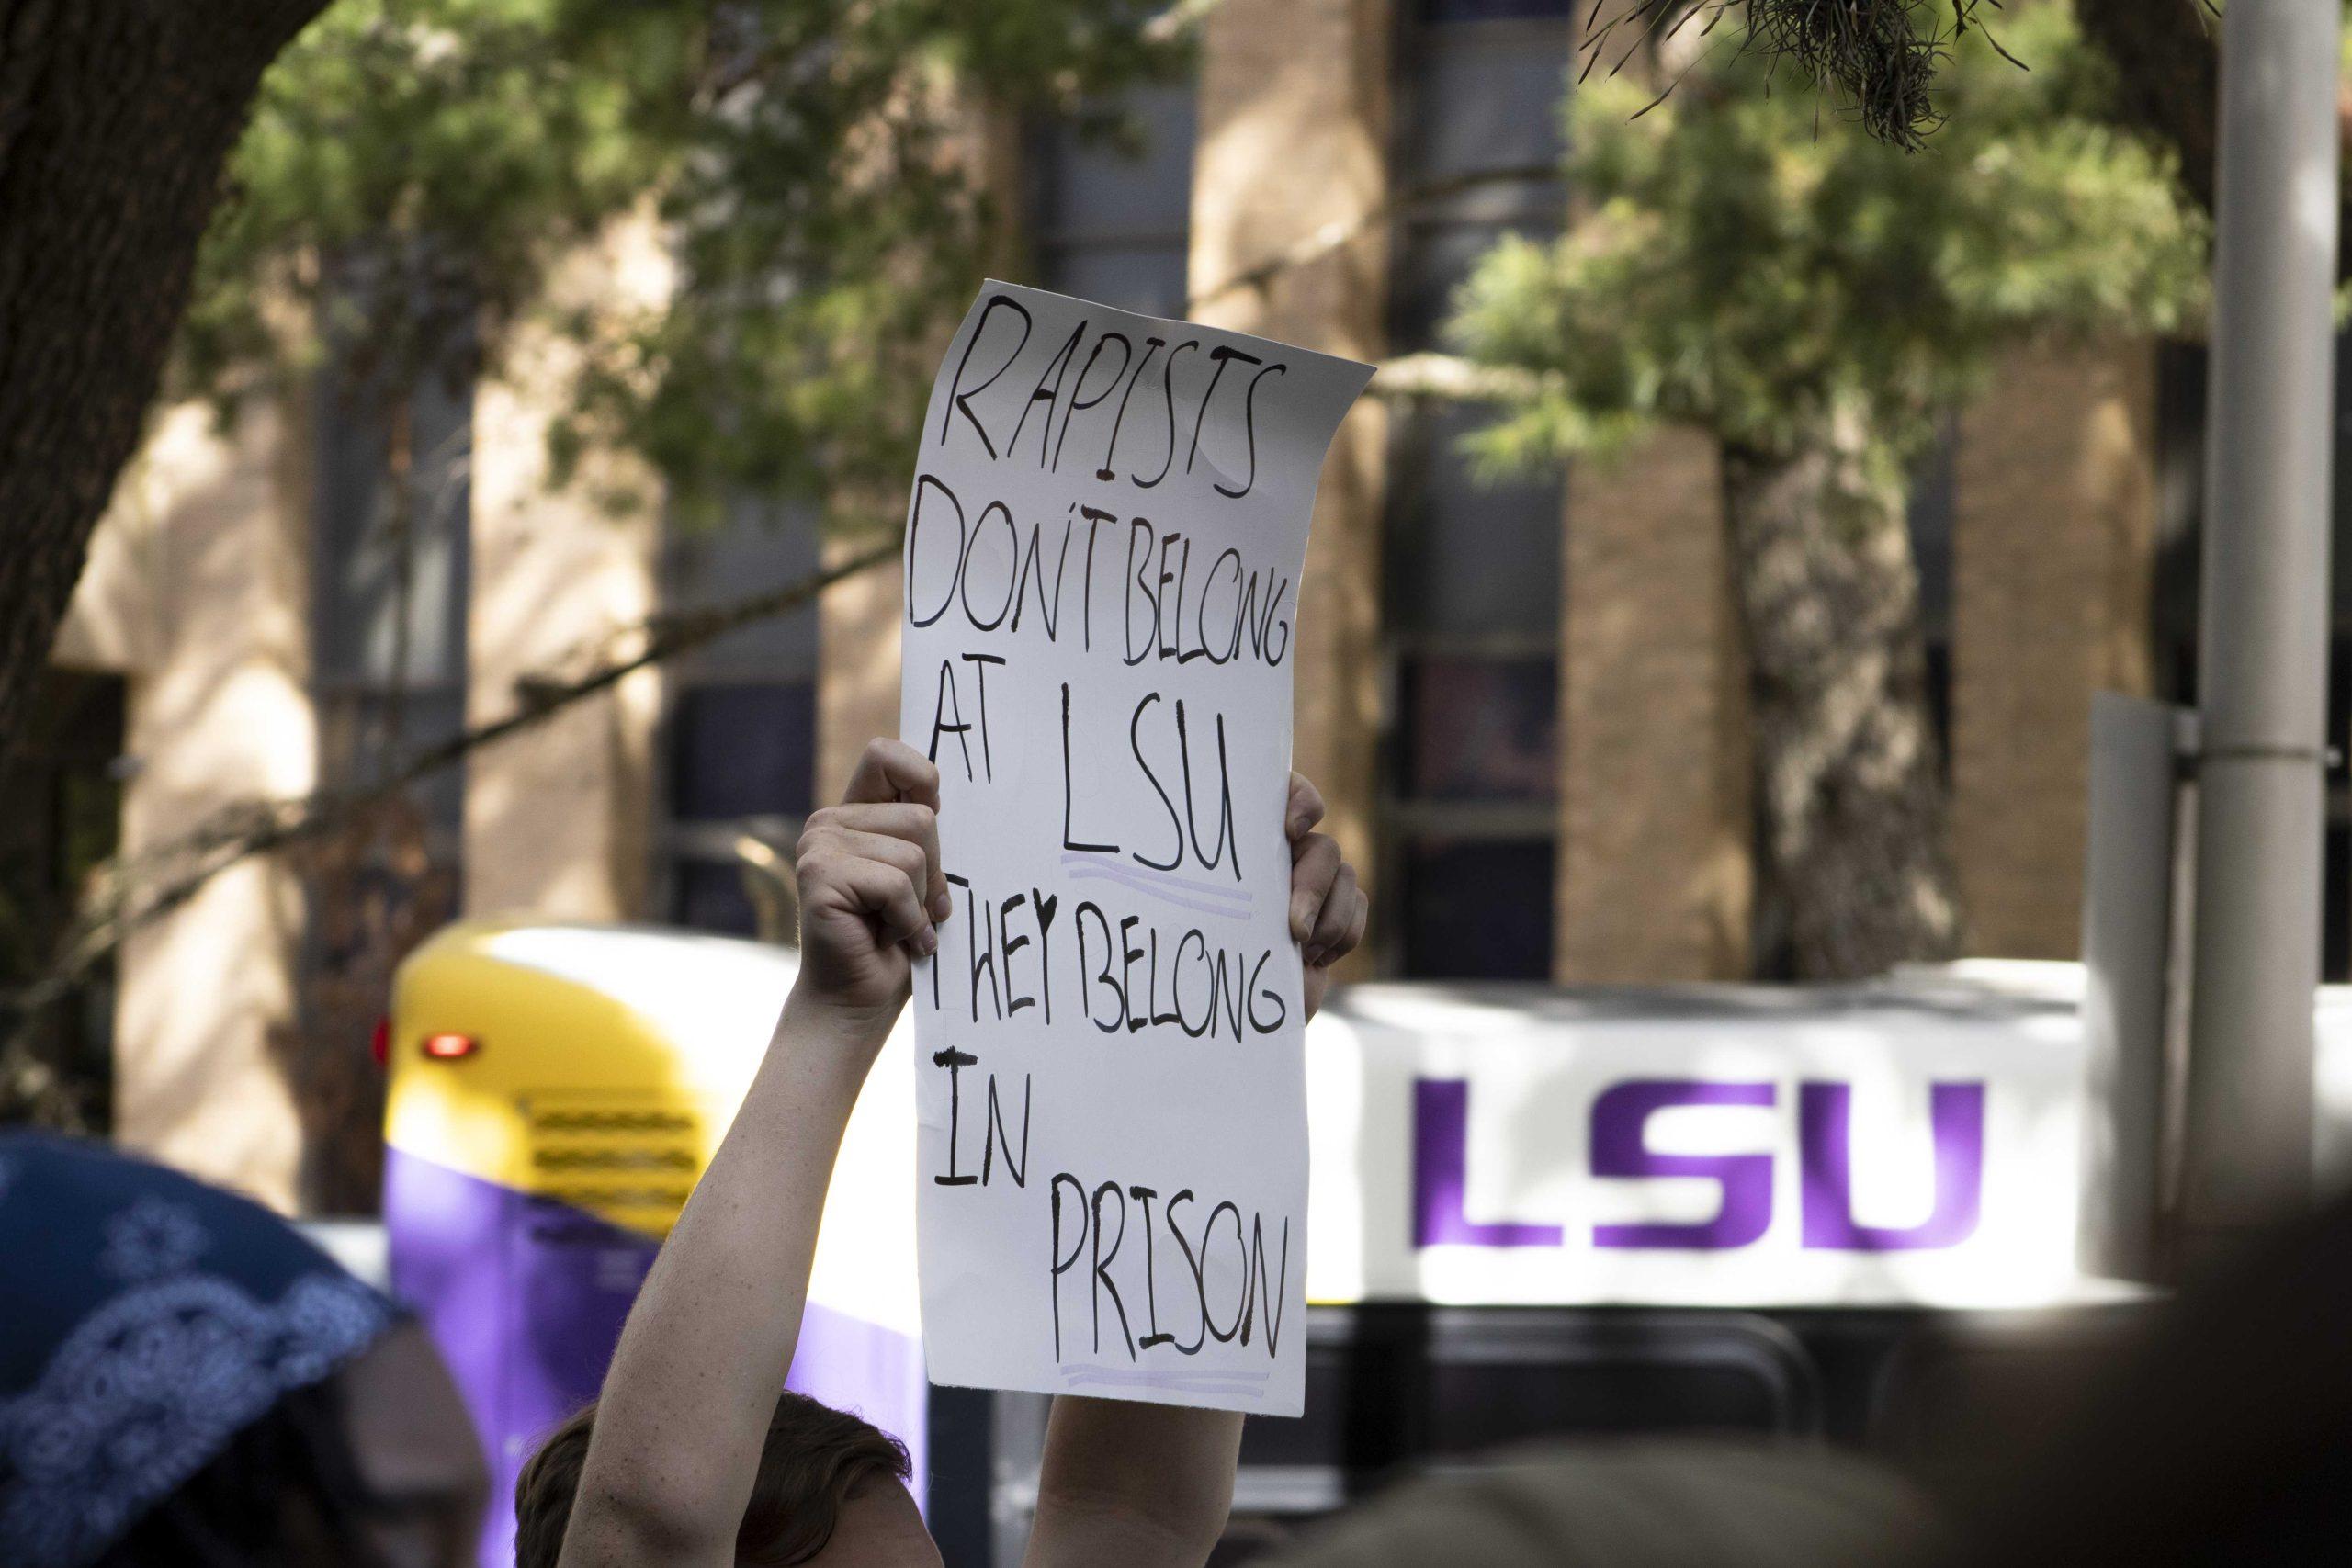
x=1119 y=971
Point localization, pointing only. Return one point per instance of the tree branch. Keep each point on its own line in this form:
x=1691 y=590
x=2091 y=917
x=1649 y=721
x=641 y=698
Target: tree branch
x=1181 y=17
x=1452 y=378
x=238 y=833
x=1332 y=236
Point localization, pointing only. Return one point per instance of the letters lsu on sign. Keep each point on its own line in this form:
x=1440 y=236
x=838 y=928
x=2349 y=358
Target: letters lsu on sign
x=1694 y=1151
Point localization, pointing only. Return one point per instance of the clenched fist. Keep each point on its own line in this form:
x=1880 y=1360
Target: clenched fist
x=872 y=893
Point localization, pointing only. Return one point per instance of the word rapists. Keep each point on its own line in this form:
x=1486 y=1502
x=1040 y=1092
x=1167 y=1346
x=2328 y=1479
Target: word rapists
x=1130 y=416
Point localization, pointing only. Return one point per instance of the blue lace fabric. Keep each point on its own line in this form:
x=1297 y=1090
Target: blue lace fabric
x=145 y=1318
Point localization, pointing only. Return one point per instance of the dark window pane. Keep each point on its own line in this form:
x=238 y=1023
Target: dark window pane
x=2180 y=488
x=743 y=751
x=1482 y=728
x=2336 y=932
x=1930 y=517
x=1105 y=186
x=1433 y=261
x=1472 y=569
x=1468 y=555
x=60 y=816
x=1486 y=99
x=1477 y=909
x=2336 y=878
x=1113 y=215
x=1478 y=1405
x=1940 y=703
x=1146 y=280
x=1493 y=10
x=2342 y=596
x=2339 y=706
x=365 y=543
x=757 y=548
x=708 y=896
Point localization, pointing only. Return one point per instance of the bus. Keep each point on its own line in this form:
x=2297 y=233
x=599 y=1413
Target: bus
x=1534 y=1211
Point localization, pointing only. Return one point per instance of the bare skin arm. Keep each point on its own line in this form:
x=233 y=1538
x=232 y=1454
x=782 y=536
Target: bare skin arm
x=693 y=1383
x=686 y=1403
x=1149 y=1486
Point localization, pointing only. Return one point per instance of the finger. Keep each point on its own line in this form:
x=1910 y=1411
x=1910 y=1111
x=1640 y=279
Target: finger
x=918 y=825
x=900 y=856
x=1315 y=863
x=892 y=770
x=1331 y=923
x=885 y=893
x=1304 y=808
x=1354 y=939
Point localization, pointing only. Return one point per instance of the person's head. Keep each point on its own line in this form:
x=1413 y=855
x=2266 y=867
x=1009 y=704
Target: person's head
x=186 y=1380
x=830 y=1490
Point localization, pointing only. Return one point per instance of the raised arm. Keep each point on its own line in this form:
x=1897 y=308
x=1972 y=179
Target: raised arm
x=687 y=1401
x=1149 y=1486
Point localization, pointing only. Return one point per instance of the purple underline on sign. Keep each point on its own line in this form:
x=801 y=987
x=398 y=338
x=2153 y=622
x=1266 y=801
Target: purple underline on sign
x=1241 y=1383
x=1192 y=884
x=1203 y=897
x=1199 y=905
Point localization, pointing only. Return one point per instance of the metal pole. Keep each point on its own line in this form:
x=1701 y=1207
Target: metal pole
x=2129 y=877
x=2263 y=658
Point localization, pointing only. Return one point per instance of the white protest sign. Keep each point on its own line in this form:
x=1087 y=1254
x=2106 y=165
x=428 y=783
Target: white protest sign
x=1104 y=546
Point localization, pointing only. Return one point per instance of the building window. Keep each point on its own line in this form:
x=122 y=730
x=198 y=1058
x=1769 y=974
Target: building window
x=1472 y=567
x=61 y=818
x=1111 y=214
x=1933 y=497
x=1481 y=727
x=391 y=580
x=739 y=736
x=741 y=750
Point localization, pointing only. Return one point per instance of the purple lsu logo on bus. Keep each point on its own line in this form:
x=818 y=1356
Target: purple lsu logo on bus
x=1619 y=1150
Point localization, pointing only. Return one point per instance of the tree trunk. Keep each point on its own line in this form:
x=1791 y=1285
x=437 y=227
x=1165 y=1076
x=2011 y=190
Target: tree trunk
x=1853 y=874
x=116 y=116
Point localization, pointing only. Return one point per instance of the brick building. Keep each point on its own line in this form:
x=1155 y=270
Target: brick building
x=1525 y=702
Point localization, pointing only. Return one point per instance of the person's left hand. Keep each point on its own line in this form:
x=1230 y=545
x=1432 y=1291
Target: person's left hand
x=1328 y=909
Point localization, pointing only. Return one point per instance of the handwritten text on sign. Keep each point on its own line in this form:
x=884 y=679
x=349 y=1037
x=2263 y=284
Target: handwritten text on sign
x=1103 y=544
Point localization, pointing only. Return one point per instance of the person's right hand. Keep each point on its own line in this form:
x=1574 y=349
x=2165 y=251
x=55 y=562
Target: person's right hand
x=872 y=892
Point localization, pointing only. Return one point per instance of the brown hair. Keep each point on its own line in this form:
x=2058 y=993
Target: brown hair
x=814 y=1458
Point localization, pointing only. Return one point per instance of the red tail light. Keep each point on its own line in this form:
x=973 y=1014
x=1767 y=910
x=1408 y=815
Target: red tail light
x=451 y=1047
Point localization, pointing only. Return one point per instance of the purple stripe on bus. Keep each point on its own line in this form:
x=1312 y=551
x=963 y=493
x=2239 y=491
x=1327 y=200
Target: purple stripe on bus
x=877 y=1372
x=526 y=1297
x=446 y=1233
